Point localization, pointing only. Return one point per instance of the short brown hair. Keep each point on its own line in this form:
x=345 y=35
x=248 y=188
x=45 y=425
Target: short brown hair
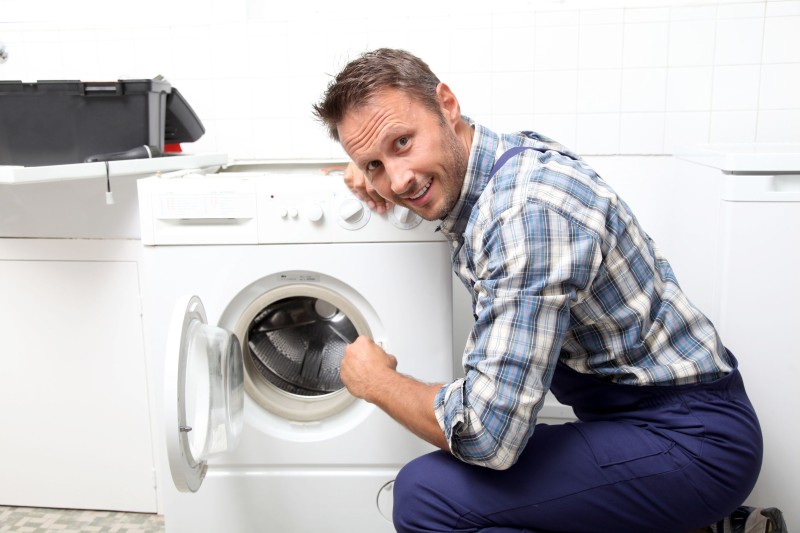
x=363 y=77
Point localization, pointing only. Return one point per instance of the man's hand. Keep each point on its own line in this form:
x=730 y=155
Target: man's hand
x=363 y=189
x=370 y=373
x=363 y=364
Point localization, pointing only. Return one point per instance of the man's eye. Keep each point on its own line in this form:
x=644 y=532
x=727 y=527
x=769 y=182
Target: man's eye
x=372 y=165
x=401 y=142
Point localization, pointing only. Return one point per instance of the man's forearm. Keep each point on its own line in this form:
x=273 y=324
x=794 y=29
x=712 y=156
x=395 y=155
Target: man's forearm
x=409 y=402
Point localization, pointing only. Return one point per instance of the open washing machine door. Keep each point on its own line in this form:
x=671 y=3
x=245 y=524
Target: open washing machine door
x=203 y=393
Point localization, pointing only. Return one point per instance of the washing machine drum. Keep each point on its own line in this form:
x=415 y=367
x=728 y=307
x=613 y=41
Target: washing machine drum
x=297 y=344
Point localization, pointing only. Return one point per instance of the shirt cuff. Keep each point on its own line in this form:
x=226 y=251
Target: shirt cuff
x=450 y=412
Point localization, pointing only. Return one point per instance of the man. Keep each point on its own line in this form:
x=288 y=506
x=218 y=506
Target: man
x=569 y=295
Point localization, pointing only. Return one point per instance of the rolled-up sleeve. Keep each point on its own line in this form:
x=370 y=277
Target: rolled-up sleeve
x=530 y=264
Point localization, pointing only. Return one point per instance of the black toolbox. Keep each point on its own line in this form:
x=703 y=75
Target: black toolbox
x=62 y=122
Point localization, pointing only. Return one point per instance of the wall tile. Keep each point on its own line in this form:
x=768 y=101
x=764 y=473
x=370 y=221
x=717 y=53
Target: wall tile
x=474 y=90
x=783 y=8
x=599 y=90
x=151 y=54
x=644 y=89
x=600 y=46
x=781 y=40
x=645 y=44
x=512 y=92
x=556 y=47
x=598 y=133
x=228 y=50
x=560 y=127
x=685 y=128
x=506 y=123
x=740 y=10
x=513 y=19
x=733 y=126
x=270 y=139
x=557 y=18
x=646 y=14
x=736 y=87
x=306 y=90
x=267 y=49
x=699 y=12
x=117 y=59
x=81 y=60
x=691 y=42
x=689 y=88
x=232 y=99
x=44 y=60
x=555 y=91
x=739 y=41
x=268 y=96
x=602 y=16
x=236 y=135
x=15 y=67
x=513 y=49
x=780 y=86
x=195 y=42
x=778 y=126
x=641 y=133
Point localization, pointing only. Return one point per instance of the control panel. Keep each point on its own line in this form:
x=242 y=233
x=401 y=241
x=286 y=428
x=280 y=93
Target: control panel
x=288 y=207
x=317 y=208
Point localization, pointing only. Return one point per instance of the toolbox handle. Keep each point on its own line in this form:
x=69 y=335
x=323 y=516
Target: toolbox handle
x=102 y=89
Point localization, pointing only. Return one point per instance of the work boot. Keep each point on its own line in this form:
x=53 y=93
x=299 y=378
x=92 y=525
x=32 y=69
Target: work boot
x=752 y=520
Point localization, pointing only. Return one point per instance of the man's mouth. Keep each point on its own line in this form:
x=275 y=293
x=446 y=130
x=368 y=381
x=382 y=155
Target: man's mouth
x=421 y=192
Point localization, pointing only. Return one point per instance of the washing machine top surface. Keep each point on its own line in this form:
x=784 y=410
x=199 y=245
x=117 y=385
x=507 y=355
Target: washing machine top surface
x=281 y=206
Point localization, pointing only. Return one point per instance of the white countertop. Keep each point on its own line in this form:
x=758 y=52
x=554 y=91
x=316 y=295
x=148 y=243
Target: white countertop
x=131 y=167
x=745 y=157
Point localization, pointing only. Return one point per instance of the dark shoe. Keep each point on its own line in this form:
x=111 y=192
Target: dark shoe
x=752 y=520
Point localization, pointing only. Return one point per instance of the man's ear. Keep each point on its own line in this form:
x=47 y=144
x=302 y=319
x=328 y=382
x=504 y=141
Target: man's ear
x=449 y=103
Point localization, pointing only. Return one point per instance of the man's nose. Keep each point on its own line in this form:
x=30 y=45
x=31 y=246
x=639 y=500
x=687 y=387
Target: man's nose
x=402 y=179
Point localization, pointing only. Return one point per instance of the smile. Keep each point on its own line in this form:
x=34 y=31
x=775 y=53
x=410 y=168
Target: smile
x=422 y=191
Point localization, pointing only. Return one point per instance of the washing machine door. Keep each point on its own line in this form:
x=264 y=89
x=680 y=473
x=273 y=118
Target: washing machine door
x=203 y=392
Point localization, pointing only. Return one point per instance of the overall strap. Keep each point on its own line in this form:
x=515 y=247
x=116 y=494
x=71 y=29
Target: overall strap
x=503 y=159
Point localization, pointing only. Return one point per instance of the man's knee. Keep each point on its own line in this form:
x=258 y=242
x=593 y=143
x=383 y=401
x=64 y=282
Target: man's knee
x=409 y=488
x=418 y=504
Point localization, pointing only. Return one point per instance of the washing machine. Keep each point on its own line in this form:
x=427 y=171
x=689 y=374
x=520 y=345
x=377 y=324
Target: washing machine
x=253 y=284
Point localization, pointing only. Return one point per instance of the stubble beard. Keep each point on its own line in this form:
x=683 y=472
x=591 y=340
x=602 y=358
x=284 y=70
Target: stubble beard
x=455 y=166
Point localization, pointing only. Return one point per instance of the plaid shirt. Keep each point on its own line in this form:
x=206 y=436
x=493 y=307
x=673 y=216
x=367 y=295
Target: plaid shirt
x=559 y=270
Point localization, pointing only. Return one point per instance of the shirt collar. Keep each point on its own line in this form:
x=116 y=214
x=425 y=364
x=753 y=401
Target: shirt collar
x=481 y=159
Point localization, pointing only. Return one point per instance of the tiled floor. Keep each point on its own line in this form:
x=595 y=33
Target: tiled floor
x=37 y=520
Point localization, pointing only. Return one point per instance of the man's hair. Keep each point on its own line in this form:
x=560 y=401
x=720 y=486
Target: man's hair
x=363 y=77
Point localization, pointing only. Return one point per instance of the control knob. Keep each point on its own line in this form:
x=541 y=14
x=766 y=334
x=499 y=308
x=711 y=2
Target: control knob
x=352 y=214
x=351 y=210
x=403 y=217
x=314 y=212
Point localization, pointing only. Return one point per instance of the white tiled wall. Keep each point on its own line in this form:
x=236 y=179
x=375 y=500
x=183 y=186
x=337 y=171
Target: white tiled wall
x=604 y=77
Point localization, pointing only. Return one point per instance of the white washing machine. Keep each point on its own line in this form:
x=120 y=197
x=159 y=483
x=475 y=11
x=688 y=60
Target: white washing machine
x=253 y=284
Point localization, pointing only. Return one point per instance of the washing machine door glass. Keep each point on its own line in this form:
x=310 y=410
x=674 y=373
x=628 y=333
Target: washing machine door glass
x=204 y=393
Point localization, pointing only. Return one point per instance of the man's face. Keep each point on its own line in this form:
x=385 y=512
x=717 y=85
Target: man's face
x=410 y=155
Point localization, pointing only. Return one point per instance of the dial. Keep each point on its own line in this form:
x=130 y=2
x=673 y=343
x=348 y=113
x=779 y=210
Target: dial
x=314 y=212
x=404 y=218
x=352 y=214
x=351 y=210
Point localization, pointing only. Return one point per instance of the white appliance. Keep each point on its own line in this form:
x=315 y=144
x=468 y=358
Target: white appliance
x=757 y=287
x=70 y=315
x=288 y=267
